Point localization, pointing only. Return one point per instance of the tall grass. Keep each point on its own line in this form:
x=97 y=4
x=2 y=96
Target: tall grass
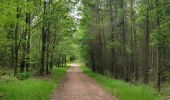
x=32 y=89
x=123 y=90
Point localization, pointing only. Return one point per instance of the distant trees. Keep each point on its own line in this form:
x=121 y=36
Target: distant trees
x=127 y=39
x=32 y=32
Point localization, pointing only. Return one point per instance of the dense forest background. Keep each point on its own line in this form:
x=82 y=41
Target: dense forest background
x=36 y=34
x=125 y=39
x=128 y=39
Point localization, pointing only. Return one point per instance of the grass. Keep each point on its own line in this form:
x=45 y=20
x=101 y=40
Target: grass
x=123 y=90
x=31 y=89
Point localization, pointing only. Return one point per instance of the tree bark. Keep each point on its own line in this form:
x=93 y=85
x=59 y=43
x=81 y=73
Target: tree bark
x=43 y=48
x=16 y=40
x=147 y=41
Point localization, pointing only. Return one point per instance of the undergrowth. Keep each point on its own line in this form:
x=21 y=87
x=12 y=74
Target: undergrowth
x=32 y=88
x=124 y=90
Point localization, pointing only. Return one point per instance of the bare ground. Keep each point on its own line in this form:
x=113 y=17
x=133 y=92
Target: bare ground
x=78 y=86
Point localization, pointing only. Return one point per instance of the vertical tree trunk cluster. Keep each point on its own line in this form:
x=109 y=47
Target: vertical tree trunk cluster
x=16 y=40
x=36 y=35
x=133 y=41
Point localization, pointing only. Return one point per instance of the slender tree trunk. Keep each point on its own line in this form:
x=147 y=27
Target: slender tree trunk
x=147 y=41
x=28 y=22
x=43 y=49
x=159 y=56
x=12 y=56
x=125 y=74
x=16 y=40
x=22 y=63
x=113 y=66
x=92 y=57
x=65 y=60
x=53 y=48
x=47 y=49
x=132 y=69
x=133 y=43
x=101 y=69
x=135 y=55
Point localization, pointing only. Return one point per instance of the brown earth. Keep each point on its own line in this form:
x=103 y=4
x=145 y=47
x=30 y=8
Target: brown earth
x=78 y=86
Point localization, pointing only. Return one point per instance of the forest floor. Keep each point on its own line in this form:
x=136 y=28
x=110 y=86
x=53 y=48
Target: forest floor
x=78 y=86
x=34 y=88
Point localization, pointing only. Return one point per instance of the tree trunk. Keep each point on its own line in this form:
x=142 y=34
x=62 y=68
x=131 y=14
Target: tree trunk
x=43 y=49
x=28 y=22
x=16 y=40
x=147 y=41
x=113 y=61
x=159 y=56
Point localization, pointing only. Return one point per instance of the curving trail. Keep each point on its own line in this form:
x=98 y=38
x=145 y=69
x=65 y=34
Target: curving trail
x=78 y=86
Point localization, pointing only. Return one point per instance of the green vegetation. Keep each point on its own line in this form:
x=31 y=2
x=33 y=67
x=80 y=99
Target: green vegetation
x=33 y=88
x=23 y=76
x=127 y=39
x=34 y=38
x=123 y=90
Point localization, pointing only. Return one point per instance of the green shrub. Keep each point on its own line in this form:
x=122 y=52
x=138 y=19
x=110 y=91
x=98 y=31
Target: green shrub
x=23 y=76
x=2 y=73
x=166 y=89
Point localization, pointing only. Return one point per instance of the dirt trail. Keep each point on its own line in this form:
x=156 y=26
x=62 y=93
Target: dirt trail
x=78 y=86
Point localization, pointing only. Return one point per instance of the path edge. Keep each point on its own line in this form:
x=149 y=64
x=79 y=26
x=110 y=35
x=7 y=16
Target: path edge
x=57 y=88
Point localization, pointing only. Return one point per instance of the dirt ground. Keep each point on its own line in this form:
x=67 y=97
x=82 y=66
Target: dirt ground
x=78 y=86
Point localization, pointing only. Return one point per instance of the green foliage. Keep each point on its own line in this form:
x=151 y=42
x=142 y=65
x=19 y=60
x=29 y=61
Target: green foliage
x=123 y=90
x=129 y=50
x=2 y=73
x=61 y=28
x=113 y=44
x=166 y=89
x=23 y=76
x=160 y=36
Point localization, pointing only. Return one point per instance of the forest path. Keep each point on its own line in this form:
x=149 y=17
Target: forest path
x=78 y=86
